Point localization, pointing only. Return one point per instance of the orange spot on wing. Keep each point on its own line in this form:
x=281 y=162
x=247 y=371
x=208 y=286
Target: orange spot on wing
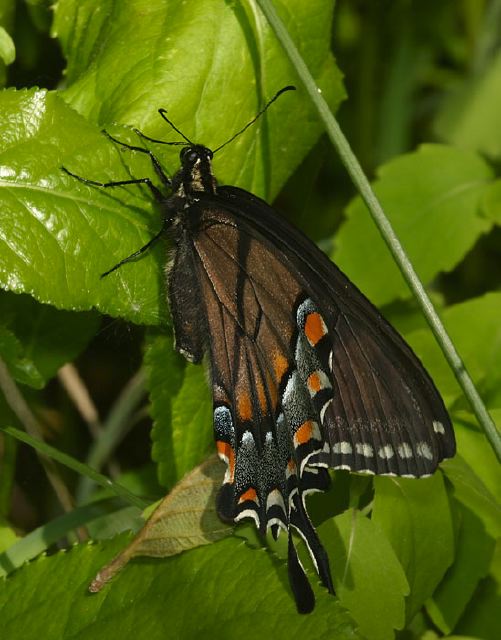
x=226 y=452
x=280 y=365
x=261 y=396
x=314 y=382
x=250 y=494
x=304 y=433
x=244 y=406
x=314 y=328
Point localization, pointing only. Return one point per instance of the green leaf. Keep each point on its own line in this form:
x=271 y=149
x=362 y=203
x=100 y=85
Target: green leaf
x=7 y=535
x=218 y=591
x=478 y=454
x=184 y=519
x=7 y=47
x=56 y=233
x=432 y=198
x=491 y=203
x=481 y=618
x=40 y=539
x=470 y=118
x=454 y=592
x=368 y=578
x=127 y=60
x=21 y=368
x=36 y=340
x=181 y=408
x=415 y=516
x=475 y=329
x=471 y=491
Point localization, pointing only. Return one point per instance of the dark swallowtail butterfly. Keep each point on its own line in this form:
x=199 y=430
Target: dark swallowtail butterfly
x=306 y=374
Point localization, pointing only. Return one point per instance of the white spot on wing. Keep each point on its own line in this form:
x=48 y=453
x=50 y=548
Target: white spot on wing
x=247 y=438
x=423 y=450
x=405 y=450
x=275 y=499
x=438 y=427
x=248 y=513
x=364 y=449
x=342 y=447
x=386 y=452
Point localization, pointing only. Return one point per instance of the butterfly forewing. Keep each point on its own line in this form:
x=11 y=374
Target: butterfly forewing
x=386 y=415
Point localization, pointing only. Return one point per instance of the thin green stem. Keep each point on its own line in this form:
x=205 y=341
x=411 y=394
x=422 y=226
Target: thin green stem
x=114 y=429
x=21 y=409
x=363 y=186
x=75 y=465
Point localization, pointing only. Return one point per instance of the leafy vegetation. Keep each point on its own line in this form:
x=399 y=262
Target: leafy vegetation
x=417 y=88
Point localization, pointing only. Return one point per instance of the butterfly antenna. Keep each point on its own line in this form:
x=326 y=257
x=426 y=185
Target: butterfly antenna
x=256 y=117
x=162 y=112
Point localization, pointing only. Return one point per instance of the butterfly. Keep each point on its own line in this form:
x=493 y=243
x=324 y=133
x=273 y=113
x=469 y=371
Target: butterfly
x=306 y=374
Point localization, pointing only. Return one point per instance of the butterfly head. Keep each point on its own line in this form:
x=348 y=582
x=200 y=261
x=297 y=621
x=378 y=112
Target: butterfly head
x=196 y=169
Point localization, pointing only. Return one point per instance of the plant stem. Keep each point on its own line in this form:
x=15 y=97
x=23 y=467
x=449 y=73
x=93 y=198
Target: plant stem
x=75 y=465
x=114 y=429
x=20 y=407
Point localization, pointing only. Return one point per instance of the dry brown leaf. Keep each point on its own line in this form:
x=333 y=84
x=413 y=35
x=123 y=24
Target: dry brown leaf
x=184 y=519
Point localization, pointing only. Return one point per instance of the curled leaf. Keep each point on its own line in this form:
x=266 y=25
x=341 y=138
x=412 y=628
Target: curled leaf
x=184 y=519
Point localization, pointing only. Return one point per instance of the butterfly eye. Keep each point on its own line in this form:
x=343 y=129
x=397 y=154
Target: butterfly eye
x=188 y=155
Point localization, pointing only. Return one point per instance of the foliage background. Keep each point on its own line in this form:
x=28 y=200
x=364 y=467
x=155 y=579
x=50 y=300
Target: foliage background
x=418 y=95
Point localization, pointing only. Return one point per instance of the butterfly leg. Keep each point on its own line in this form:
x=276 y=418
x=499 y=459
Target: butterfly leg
x=166 y=181
x=118 y=183
x=139 y=252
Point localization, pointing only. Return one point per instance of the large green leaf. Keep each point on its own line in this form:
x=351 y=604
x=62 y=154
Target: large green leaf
x=212 y=64
x=481 y=617
x=432 y=198
x=367 y=576
x=460 y=581
x=224 y=590
x=56 y=234
x=416 y=518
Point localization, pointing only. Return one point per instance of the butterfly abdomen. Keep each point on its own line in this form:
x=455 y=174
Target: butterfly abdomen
x=185 y=299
